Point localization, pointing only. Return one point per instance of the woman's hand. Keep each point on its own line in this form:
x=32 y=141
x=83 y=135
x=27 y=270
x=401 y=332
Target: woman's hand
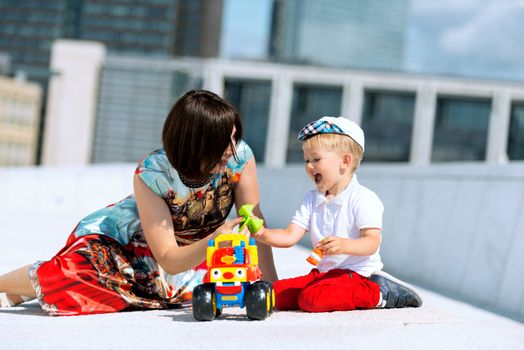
x=228 y=226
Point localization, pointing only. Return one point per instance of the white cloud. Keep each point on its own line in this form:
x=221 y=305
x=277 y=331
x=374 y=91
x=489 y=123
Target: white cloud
x=496 y=30
x=420 y=7
x=470 y=37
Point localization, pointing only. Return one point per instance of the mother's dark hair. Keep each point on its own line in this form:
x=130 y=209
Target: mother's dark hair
x=197 y=132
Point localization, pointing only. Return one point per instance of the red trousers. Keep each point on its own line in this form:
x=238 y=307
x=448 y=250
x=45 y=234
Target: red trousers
x=335 y=290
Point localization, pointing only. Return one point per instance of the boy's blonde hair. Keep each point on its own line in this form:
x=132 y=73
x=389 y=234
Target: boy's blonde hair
x=337 y=143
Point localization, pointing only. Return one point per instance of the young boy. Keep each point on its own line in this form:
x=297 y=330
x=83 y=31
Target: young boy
x=344 y=219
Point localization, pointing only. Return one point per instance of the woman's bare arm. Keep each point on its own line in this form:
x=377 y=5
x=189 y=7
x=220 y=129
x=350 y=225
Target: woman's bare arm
x=247 y=193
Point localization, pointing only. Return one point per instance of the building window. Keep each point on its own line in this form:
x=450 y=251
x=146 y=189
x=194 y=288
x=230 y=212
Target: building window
x=132 y=106
x=131 y=110
x=387 y=121
x=516 y=132
x=310 y=103
x=252 y=99
x=461 y=129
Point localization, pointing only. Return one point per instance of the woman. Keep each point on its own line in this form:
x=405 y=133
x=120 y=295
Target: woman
x=144 y=251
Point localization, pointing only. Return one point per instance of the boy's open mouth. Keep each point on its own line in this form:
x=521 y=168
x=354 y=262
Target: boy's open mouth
x=317 y=177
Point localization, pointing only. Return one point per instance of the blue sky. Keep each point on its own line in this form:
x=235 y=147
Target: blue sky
x=246 y=28
x=481 y=38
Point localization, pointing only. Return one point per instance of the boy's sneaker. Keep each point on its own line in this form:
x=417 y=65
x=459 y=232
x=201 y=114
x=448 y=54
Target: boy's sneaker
x=395 y=293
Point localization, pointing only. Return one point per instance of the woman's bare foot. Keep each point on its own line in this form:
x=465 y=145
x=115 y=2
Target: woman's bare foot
x=9 y=300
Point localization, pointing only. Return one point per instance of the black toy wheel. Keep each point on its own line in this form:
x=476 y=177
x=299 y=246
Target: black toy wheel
x=204 y=302
x=269 y=286
x=272 y=301
x=218 y=312
x=259 y=300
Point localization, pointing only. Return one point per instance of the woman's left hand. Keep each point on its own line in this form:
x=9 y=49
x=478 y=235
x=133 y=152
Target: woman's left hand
x=228 y=226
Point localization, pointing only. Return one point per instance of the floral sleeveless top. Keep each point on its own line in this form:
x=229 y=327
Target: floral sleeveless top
x=196 y=212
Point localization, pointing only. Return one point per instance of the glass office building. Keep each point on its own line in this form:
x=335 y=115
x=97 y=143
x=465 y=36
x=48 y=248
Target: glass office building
x=27 y=30
x=151 y=28
x=343 y=33
x=154 y=28
x=199 y=24
x=129 y=27
x=139 y=28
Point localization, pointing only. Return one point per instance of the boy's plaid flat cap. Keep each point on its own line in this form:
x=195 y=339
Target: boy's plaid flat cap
x=332 y=125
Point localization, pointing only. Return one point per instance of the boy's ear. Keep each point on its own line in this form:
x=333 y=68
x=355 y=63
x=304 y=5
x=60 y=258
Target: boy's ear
x=347 y=159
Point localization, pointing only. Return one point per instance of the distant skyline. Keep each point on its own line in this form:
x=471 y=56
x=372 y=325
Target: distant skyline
x=474 y=38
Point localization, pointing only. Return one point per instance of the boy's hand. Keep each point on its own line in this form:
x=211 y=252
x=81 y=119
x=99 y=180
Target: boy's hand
x=252 y=222
x=259 y=233
x=333 y=245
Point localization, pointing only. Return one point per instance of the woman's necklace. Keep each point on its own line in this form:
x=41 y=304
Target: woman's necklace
x=195 y=184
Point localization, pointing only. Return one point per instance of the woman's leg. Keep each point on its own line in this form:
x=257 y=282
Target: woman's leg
x=17 y=286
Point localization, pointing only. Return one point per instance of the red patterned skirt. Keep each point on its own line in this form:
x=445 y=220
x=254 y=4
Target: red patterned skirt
x=96 y=274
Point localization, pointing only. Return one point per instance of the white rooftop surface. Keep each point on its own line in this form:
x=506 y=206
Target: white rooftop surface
x=440 y=324
x=35 y=225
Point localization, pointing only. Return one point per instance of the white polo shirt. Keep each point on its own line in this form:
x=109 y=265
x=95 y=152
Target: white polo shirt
x=344 y=216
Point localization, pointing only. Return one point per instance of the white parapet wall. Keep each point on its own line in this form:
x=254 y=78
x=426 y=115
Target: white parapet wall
x=456 y=229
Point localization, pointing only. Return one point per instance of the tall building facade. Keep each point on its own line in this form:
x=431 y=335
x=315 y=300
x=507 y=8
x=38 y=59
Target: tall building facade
x=19 y=118
x=159 y=28
x=132 y=27
x=339 y=33
x=27 y=30
x=199 y=24
x=4 y=63
x=151 y=28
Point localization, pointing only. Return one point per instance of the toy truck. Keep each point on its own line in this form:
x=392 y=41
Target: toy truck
x=232 y=279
